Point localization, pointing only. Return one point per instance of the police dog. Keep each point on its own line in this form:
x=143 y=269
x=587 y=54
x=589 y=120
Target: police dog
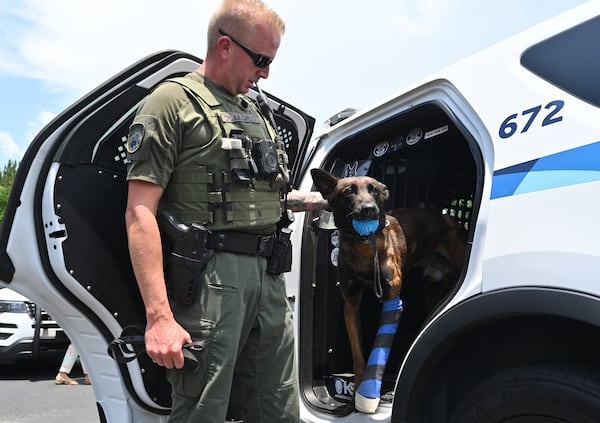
x=377 y=249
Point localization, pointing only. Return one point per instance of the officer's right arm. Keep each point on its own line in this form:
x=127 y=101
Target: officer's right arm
x=298 y=201
x=164 y=336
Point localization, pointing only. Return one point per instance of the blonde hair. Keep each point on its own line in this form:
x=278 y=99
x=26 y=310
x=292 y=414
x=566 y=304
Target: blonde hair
x=240 y=17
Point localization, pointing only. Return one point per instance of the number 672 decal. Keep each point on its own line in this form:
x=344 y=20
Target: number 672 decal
x=550 y=115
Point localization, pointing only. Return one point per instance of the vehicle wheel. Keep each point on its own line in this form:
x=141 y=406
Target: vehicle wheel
x=534 y=394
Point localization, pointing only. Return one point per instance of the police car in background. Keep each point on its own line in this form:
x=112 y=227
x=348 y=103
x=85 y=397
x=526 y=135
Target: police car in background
x=27 y=332
x=506 y=141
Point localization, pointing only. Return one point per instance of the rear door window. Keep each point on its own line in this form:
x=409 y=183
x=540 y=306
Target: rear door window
x=570 y=60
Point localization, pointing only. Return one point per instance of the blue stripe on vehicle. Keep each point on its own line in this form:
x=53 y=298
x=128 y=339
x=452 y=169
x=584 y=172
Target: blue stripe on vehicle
x=576 y=166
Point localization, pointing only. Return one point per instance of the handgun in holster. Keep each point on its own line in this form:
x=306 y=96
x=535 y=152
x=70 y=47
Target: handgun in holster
x=185 y=256
x=281 y=257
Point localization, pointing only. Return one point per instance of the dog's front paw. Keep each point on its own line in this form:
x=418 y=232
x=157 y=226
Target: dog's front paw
x=364 y=404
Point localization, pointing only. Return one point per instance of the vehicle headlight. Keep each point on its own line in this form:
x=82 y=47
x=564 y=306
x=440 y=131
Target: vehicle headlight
x=13 y=307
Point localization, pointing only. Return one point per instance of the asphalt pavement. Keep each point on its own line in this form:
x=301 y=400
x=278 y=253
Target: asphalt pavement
x=28 y=395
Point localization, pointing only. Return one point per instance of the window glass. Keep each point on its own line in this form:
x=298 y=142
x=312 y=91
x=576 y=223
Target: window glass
x=570 y=60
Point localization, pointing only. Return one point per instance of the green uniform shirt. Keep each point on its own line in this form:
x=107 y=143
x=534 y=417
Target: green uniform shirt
x=176 y=141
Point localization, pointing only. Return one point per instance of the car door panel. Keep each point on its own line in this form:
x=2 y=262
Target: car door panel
x=71 y=186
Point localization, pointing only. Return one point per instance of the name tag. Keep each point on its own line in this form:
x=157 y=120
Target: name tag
x=238 y=117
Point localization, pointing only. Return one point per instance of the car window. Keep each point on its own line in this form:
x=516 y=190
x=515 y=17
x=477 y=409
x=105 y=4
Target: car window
x=570 y=60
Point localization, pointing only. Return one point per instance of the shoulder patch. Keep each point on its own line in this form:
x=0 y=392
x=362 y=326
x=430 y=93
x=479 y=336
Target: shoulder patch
x=135 y=137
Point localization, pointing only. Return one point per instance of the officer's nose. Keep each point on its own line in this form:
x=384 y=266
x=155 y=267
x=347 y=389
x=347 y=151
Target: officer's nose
x=264 y=72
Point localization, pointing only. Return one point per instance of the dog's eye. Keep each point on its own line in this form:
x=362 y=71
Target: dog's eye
x=373 y=189
x=350 y=190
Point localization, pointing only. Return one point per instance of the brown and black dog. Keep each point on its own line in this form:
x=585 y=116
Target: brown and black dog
x=404 y=239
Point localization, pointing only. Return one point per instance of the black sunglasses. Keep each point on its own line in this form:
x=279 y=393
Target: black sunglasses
x=260 y=60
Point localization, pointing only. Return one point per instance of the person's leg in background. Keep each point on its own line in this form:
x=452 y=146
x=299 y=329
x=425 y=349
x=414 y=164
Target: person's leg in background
x=62 y=377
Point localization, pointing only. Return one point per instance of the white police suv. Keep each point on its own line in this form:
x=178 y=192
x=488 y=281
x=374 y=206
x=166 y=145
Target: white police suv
x=27 y=332
x=506 y=141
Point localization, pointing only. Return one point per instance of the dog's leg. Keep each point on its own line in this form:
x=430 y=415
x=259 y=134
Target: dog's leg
x=351 y=317
x=366 y=398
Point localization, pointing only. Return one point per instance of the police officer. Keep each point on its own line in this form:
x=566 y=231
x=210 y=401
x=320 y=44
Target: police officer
x=197 y=148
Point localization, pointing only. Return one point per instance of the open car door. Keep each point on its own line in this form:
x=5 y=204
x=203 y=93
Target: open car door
x=63 y=241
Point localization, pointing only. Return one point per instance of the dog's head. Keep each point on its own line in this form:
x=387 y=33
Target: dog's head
x=359 y=198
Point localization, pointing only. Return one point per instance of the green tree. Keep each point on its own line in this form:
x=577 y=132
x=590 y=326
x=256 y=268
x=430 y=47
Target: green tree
x=7 y=177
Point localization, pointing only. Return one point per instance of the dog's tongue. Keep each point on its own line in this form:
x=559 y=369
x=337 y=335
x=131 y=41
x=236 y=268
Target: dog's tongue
x=365 y=227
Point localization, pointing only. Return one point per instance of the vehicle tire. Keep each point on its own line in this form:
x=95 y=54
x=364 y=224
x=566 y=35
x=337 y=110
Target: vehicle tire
x=534 y=394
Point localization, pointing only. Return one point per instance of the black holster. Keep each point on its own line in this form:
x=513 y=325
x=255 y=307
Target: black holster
x=280 y=260
x=184 y=255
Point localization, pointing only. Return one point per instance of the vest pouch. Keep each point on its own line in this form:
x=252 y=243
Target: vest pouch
x=282 y=179
x=241 y=164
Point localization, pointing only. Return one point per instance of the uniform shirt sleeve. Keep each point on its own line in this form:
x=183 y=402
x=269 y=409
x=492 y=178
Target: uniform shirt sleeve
x=156 y=134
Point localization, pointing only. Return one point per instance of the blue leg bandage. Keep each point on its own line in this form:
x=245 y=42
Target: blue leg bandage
x=370 y=387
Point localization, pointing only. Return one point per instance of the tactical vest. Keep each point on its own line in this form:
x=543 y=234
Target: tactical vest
x=222 y=189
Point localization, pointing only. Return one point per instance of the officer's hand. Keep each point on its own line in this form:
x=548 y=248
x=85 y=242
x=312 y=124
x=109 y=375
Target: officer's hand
x=164 y=342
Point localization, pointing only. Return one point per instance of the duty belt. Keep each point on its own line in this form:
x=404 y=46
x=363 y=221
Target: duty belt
x=241 y=243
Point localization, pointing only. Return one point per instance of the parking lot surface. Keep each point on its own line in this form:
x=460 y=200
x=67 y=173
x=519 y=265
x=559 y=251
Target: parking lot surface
x=29 y=395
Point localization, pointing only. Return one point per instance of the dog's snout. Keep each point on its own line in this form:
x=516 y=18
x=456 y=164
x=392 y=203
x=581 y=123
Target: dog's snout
x=369 y=207
x=368 y=210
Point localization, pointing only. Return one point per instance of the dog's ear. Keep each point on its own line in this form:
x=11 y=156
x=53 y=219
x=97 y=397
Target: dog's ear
x=385 y=192
x=324 y=181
